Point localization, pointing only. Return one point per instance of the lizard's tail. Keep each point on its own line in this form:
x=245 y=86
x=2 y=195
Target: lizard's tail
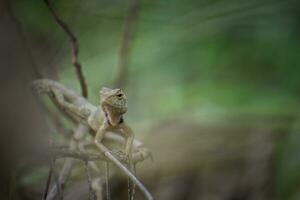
x=41 y=86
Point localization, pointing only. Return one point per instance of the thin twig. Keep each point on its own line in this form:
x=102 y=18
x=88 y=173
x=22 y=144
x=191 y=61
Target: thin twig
x=125 y=170
x=130 y=175
x=75 y=49
x=92 y=164
x=59 y=192
x=37 y=74
x=92 y=195
x=63 y=153
x=133 y=187
x=47 y=183
x=127 y=36
x=128 y=189
x=64 y=174
x=107 y=181
x=77 y=66
x=69 y=162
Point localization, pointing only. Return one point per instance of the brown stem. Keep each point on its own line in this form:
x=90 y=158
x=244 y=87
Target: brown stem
x=75 y=49
x=37 y=74
x=69 y=162
x=55 y=175
x=64 y=174
x=63 y=153
x=131 y=176
x=45 y=194
x=92 y=194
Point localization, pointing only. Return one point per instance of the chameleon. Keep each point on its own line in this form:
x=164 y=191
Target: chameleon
x=106 y=120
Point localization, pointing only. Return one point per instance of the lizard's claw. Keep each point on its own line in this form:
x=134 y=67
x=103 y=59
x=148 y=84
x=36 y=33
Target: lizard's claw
x=142 y=154
x=120 y=155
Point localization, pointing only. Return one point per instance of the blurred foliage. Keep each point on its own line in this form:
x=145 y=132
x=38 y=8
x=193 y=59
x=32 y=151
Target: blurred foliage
x=192 y=60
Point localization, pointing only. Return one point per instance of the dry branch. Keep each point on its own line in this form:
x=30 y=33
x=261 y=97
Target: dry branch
x=63 y=153
x=56 y=179
x=45 y=194
x=73 y=145
x=64 y=174
x=92 y=194
x=68 y=164
x=75 y=49
x=125 y=170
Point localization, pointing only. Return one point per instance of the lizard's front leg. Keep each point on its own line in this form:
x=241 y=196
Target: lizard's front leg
x=100 y=135
x=127 y=131
x=98 y=141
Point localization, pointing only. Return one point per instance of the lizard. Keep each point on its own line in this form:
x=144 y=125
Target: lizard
x=107 y=117
x=113 y=104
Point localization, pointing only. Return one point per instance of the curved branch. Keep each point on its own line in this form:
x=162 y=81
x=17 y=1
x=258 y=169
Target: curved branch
x=63 y=153
x=75 y=49
x=124 y=170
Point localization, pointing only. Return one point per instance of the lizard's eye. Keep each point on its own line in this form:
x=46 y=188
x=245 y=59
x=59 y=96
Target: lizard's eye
x=119 y=95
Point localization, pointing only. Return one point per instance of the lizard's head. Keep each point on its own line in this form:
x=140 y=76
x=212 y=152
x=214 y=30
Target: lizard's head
x=114 y=98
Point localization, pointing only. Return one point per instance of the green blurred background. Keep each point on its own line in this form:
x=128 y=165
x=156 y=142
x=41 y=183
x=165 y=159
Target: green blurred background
x=193 y=61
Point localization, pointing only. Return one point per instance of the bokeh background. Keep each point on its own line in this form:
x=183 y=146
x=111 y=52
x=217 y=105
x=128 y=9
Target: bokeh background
x=213 y=91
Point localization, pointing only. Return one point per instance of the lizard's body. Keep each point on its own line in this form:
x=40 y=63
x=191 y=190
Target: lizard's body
x=101 y=119
x=107 y=118
x=74 y=104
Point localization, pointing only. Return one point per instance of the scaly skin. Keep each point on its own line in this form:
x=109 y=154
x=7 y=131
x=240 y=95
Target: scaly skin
x=113 y=104
x=107 y=117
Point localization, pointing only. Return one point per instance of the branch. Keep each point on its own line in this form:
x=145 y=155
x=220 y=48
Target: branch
x=56 y=179
x=64 y=174
x=47 y=86
x=45 y=194
x=129 y=28
x=37 y=74
x=68 y=164
x=124 y=170
x=92 y=194
x=63 y=153
x=123 y=59
x=75 y=49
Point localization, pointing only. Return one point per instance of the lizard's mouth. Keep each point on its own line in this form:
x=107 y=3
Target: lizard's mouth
x=121 y=104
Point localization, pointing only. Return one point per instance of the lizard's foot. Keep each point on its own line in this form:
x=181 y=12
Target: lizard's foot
x=120 y=155
x=142 y=154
